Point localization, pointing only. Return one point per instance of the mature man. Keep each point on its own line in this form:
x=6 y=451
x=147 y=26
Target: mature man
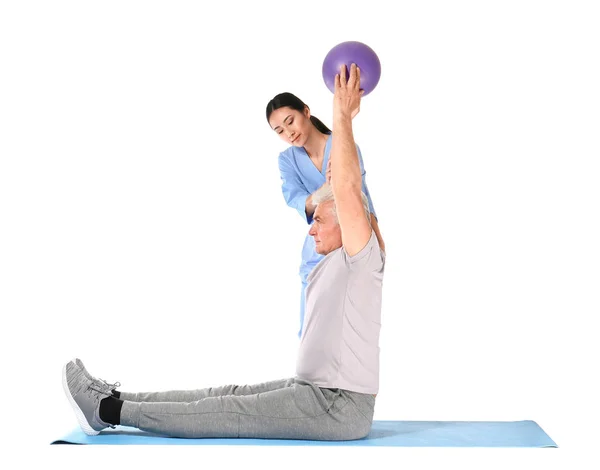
x=332 y=396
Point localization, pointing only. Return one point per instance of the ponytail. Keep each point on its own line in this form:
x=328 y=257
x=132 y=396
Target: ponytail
x=319 y=125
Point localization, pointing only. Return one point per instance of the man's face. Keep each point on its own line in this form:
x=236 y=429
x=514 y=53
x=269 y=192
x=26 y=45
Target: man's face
x=325 y=230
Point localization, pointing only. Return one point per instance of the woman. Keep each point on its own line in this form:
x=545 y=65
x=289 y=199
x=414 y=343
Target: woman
x=304 y=168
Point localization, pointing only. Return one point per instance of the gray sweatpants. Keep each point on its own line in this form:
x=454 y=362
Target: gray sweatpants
x=287 y=409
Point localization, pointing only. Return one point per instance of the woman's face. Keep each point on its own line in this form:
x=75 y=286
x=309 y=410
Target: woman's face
x=292 y=126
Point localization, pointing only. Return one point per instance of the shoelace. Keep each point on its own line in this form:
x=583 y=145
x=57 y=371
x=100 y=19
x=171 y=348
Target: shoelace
x=92 y=387
x=104 y=384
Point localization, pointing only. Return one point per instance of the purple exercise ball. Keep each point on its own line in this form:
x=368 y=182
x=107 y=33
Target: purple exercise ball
x=347 y=53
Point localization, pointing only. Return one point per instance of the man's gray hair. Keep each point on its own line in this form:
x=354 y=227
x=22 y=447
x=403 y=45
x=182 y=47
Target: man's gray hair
x=325 y=194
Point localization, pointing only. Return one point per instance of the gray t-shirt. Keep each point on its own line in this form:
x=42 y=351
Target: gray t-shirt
x=339 y=347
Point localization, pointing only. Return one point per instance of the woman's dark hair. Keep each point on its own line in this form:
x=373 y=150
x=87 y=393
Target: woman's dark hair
x=289 y=100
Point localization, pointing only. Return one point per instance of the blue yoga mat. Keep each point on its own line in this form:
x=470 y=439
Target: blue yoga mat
x=383 y=433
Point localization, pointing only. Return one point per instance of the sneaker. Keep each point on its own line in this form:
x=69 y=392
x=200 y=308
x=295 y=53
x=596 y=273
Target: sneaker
x=102 y=384
x=84 y=397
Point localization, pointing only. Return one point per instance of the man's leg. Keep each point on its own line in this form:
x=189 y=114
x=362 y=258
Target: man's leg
x=194 y=395
x=299 y=410
x=180 y=395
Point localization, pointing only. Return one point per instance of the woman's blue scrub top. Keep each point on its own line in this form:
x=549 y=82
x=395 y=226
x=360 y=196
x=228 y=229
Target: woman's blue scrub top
x=300 y=178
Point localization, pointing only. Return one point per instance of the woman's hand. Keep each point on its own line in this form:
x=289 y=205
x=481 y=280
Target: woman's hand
x=346 y=97
x=328 y=172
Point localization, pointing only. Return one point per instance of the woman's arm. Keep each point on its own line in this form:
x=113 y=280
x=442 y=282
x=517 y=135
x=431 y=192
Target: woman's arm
x=294 y=192
x=310 y=207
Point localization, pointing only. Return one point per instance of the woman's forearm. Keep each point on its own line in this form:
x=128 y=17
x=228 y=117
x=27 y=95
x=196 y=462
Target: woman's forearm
x=309 y=206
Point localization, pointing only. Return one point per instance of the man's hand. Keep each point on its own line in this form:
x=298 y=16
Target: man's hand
x=346 y=97
x=328 y=172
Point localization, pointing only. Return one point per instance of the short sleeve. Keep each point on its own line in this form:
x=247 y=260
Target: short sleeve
x=370 y=257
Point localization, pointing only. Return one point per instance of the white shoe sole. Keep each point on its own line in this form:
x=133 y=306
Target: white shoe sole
x=80 y=416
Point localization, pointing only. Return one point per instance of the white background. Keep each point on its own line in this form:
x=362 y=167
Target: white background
x=143 y=227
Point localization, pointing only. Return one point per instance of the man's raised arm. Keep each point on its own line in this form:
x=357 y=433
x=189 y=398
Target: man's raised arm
x=346 y=181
